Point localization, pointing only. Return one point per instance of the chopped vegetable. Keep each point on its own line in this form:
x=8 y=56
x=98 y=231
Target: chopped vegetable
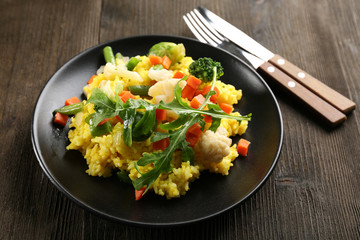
x=144 y=125
x=154 y=60
x=72 y=100
x=109 y=55
x=161 y=144
x=161 y=114
x=139 y=193
x=203 y=69
x=158 y=67
x=188 y=92
x=227 y=108
x=174 y=51
x=132 y=63
x=141 y=90
x=165 y=62
x=91 y=79
x=195 y=129
x=118 y=118
x=70 y=109
x=119 y=56
x=178 y=75
x=125 y=95
x=207 y=119
x=103 y=121
x=197 y=101
x=243 y=147
x=193 y=82
x=60 y=119
x=214 y=97
x=100 y=129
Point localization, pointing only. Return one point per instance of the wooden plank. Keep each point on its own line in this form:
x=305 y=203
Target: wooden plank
x=313 y=192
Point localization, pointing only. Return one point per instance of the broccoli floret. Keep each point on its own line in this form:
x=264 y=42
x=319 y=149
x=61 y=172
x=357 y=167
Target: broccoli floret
x=203 y=69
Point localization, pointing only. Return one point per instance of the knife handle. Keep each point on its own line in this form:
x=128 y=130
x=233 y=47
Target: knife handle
x=328 y=94
x=332 y=115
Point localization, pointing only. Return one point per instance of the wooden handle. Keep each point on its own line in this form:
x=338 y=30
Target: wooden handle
x=332 y=115
x=328 y=94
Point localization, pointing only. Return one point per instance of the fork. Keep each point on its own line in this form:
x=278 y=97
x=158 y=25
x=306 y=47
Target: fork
x=205 y=33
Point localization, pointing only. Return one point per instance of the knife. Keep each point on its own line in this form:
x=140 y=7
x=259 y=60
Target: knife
x=242 y=40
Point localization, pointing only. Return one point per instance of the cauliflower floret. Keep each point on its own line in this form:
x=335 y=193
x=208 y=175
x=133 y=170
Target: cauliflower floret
x=110 y=71
x=106 y=87
x=164 y=90
x=215 y=146
x=160 y=75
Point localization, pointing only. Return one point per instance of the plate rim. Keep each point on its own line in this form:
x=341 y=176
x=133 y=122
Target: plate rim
x=142 y=223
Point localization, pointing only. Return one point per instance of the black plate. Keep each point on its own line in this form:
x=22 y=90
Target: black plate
x=210 y=195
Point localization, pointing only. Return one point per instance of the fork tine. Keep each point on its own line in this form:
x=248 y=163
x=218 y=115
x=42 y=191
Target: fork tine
x=208 y=25
x=193 y=30
x=197 y=31
x=204 y=30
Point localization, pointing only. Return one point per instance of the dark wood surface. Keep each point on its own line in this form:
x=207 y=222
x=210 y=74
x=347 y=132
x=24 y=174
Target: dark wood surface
x=313 y=192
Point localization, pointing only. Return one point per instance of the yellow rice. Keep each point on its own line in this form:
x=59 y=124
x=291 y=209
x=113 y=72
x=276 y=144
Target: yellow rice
x=106 y=153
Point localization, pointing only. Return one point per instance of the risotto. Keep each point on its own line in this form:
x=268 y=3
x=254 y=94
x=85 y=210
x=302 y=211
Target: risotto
x=156 y=121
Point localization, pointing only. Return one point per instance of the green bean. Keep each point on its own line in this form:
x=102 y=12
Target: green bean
x=141 y=90
x=109 y=55
x=118 y=56
x=132 y=63
x=70 y=109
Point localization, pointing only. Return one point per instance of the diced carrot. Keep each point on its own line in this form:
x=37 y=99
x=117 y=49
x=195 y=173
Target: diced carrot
x=198 y=91
x=227 y=108
x=193 y=134
x=72 y=100
x=214 y=97
x=178 y=75
x=207 y=119
x=125 y=95
x=119 y=118
x=191 y=139
x=193 y=82
x=197 y=101
x=155 y=59
x=162 y=144
x=166 y=62
x=195 y=130
x=61 y=119
x=91 y=79
x=139 y=193
x=243 y=147
x=160 y=114
x=188 y=92
x=103 y=121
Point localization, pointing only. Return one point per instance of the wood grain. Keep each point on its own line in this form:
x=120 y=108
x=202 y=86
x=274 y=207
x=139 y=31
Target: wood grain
x=313 y=192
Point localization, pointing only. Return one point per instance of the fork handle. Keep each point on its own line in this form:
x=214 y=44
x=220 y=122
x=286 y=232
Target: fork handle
x=329 y=113
x=328 y=94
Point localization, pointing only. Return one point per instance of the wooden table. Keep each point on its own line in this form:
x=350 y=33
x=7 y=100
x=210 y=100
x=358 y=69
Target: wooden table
x=313 y=192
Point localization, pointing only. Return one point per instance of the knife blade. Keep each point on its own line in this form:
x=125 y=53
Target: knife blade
x=242 y=40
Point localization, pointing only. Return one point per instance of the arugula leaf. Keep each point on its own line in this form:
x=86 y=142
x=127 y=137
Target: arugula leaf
x=176 y=123
x=138 y=126
x=177 y=134
x=180 y=107
x=161 y=160
x=159 y=136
